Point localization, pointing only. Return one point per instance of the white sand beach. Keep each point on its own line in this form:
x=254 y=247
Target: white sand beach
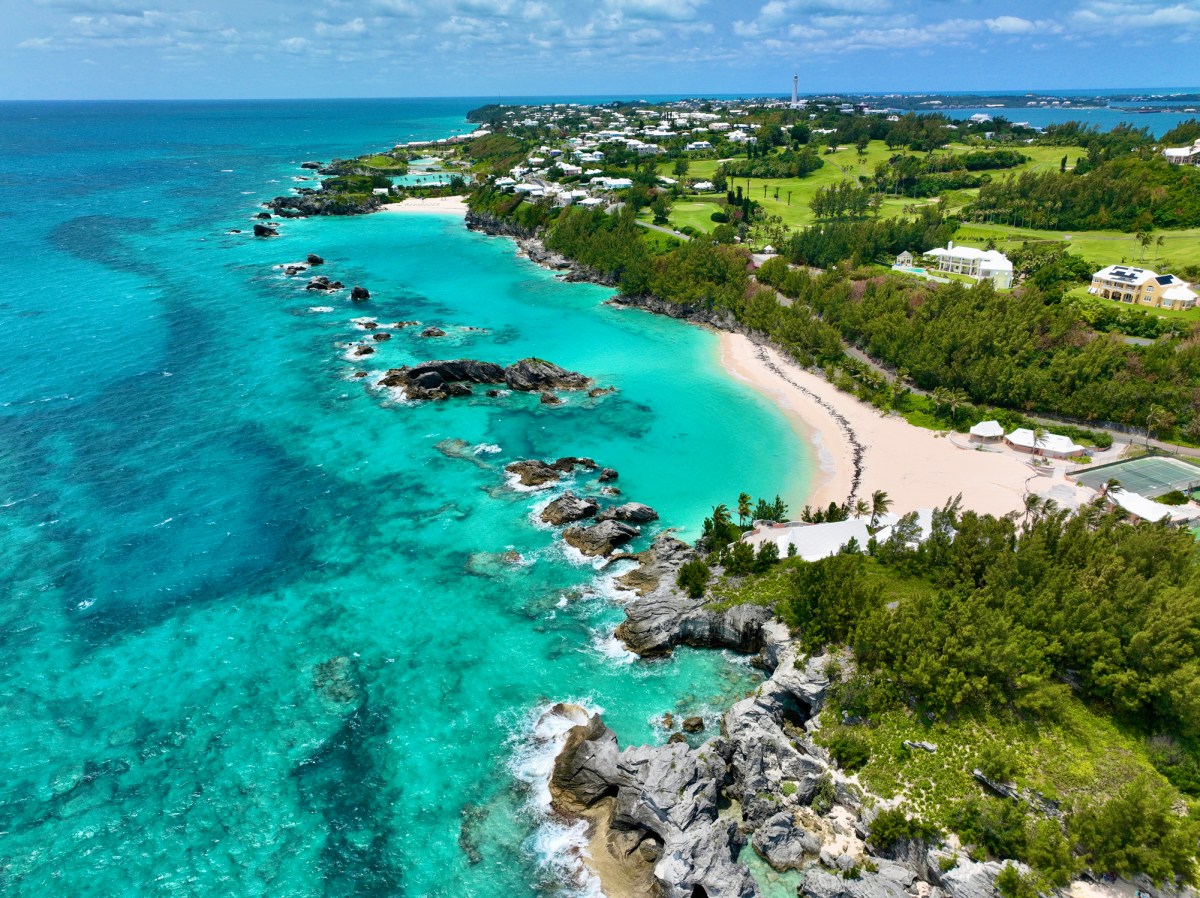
x=444 y=205
x=917 y=468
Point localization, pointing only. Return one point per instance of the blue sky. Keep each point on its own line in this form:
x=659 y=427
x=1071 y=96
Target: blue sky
x=96 y=49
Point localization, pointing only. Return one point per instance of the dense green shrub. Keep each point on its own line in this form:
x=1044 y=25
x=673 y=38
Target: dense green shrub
x=693 y=577
x=893 y=826
x=1138 y=830
x=848 y=748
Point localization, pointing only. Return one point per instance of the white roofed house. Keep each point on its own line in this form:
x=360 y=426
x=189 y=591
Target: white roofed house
x=981 y=264
x=699 y=145
x=1183 y=155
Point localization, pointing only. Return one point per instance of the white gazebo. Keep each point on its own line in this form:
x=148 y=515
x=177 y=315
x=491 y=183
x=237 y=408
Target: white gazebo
x=987 y=432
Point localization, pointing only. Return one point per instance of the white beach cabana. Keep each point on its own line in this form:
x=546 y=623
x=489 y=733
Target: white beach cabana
x=1051 y=445
x=987 y=432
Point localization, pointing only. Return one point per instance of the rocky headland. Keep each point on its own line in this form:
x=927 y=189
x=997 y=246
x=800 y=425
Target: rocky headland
x=310 y=202
x=531 y=245
x=670 y=821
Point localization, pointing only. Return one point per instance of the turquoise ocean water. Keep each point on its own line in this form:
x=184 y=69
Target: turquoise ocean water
x=199 y=506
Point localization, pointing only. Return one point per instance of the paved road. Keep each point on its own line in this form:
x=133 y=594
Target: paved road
x=662 y=230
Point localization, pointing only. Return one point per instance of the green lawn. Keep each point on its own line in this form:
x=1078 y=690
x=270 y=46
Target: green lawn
x=845 y=164
x=1101 y=248
x=697 y=213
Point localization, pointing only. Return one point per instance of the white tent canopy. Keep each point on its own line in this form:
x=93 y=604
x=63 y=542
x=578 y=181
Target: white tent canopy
x=988 y=430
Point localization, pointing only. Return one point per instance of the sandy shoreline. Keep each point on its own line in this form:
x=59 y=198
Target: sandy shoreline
x=917 y=468
x=445 y=205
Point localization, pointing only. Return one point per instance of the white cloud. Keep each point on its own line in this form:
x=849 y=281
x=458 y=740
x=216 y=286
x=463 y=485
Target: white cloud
x=1010 y=25
x=294 y=44
x=656 y=10
x=352 y=28
x=1138 y=14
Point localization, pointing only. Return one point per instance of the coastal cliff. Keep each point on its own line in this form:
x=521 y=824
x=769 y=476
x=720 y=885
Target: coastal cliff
x=671 y=821
x=663 y=616
x=534 y=248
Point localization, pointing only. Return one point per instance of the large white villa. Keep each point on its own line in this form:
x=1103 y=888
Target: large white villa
x=1141 y=286
x=1183 y=155
x=981 y=264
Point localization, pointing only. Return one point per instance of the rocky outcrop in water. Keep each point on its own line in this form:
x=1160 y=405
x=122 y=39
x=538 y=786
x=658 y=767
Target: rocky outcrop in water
x=359 y=294
x=442 y=379
x=535 y=375
x=262 y=230
x=600 y=539
x=534 y=473
x=630 y=512
x=314 y=202
x=320 y=282
x=314 y=259
x=569 y=508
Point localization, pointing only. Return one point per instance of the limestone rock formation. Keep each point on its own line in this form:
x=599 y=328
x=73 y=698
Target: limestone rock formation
x=535 y=473
x=568 y=508
x=664 y=615
x=653 y=814
x=632 y=512
x=538 y=375
x=600 y=539
x=783 y=844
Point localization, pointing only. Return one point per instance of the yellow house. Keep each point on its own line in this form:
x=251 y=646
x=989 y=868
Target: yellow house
x=1140 y=286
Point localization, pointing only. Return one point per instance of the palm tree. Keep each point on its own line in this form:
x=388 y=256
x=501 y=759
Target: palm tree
x=1159 y=419
x=940 y=397
x=1039 y=437
x=861 y=508
x=956 y=399
x=743 y=508
x=880 y=503
x=1032 y=501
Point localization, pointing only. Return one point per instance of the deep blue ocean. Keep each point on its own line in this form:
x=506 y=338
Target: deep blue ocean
x=201 y=508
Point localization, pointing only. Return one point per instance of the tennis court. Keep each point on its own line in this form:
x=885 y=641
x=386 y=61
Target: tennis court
x=1150 y=477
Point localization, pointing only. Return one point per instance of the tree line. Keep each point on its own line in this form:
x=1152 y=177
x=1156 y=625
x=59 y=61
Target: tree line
x=1129 y=193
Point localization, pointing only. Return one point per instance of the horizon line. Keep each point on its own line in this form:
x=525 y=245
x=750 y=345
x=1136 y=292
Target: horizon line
x=785 y=95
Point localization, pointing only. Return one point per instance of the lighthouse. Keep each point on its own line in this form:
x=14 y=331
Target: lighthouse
x=796 y=91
